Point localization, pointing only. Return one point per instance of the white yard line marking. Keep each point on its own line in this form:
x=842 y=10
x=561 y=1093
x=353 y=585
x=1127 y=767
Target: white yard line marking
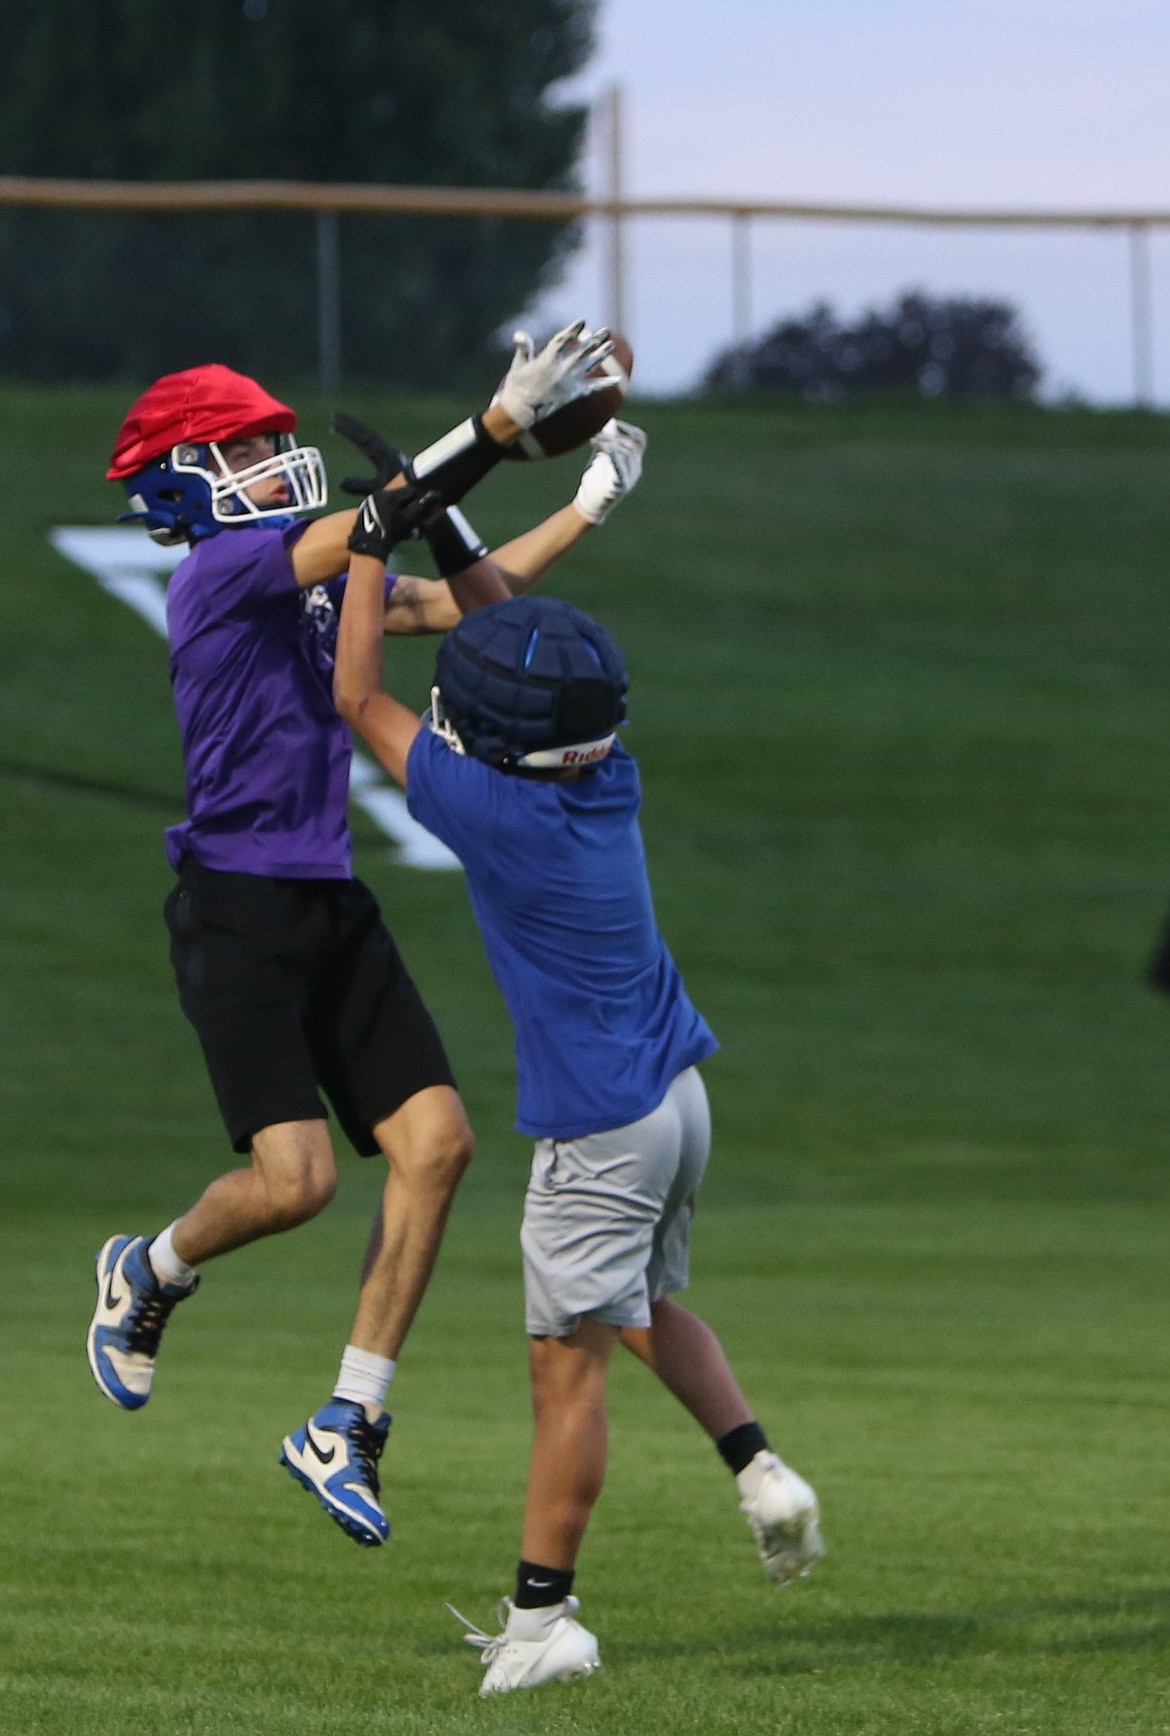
x=132 y=568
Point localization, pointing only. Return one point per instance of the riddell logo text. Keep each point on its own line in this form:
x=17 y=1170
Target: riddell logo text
x=574 y=757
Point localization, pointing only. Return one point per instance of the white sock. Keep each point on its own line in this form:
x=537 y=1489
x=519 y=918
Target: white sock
x=363 y=1377
x=533 y=1624
x=166 y=1264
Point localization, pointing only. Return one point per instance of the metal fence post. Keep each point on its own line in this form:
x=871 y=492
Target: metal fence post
x=328 y=302
x=1142 y=314
x=741 y=278
x=616 y=317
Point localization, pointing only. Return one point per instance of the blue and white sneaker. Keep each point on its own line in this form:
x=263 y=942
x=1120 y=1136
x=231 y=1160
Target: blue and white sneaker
x=335 y=1456
x=132 y=1310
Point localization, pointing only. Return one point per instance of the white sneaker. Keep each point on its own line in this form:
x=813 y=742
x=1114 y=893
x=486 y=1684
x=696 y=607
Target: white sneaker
x=561 y=1649
x=784 y=1517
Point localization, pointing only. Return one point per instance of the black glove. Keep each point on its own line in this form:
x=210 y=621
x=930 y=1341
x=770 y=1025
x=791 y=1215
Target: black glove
x=451 y=465
x=453 y=542
x=391 y=516
x=387 y=460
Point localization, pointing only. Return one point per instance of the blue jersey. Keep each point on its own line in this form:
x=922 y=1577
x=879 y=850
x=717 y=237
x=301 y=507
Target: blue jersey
x=557 y=877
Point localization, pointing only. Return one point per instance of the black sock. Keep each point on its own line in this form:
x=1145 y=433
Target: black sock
x=537 y=1587
x=739 y=1446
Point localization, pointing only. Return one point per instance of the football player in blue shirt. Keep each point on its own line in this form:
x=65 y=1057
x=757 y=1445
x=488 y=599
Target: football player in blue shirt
x=521 y=773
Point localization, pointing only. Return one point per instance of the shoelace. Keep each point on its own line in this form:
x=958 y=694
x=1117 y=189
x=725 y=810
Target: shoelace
x=147 y=1319
x=488 y=1645
x=367 y=1445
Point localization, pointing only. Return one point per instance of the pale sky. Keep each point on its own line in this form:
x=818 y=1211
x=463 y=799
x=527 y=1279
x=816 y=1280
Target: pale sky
x=1016 y=103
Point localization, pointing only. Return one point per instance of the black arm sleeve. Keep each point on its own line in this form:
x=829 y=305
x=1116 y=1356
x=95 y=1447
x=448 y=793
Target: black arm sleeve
x=454 y=463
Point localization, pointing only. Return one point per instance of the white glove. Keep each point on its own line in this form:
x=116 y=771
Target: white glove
x=536 y=385
x=613 y=470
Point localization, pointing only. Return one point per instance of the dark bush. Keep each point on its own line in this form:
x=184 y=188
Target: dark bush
x=944 y=347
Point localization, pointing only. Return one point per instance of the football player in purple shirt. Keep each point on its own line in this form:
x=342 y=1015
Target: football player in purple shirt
x=293 y=983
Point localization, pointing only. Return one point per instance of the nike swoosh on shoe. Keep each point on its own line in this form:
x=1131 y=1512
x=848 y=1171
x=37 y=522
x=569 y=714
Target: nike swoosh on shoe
x=326 y=1458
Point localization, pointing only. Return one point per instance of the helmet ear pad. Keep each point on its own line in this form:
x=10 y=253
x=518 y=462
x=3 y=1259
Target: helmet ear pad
x=173 y=506
x=528 y=676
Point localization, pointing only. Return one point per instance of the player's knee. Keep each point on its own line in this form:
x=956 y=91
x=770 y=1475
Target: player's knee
x=439 y=1161
x=294 y=1199
x=448 y=1160
x=428 y=1142
x=562 y=1379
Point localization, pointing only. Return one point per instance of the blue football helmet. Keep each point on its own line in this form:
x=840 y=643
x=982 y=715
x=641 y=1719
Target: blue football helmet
x=189 y=492
x=529 y=682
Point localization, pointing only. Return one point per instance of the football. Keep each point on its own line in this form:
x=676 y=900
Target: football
x=579 y=421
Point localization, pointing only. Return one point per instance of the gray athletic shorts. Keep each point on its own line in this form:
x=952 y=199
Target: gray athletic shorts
x=607 y=1217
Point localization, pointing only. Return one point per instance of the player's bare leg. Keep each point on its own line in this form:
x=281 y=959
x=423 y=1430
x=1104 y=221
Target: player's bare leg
x=780 y=1507
x=428 y=1144
x=691 y=1363
x=569 y=1445
x=542 y=1641
x=291 y=1178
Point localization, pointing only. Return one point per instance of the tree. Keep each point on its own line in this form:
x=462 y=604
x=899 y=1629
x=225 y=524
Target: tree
x=950 y=347
x=403 y=91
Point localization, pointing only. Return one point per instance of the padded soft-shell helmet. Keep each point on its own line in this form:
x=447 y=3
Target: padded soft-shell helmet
x=529 y=682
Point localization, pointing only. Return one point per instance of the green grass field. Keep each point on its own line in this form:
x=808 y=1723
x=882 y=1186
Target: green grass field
x=900 y=697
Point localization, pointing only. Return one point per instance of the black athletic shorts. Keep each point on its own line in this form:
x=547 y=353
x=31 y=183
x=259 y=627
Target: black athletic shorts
x=295 y=985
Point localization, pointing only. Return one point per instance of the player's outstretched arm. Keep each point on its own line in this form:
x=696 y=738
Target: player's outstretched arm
x=388 y=726
x=381 y=720
x=415 y=605
x=613 y=471
x=418 y=605
x=320 y=553
x=538 y=383
x=471 y=578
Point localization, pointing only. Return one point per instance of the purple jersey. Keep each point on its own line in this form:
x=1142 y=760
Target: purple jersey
x=266 y=755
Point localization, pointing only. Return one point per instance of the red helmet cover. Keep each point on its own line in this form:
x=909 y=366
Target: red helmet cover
x=196 y=405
